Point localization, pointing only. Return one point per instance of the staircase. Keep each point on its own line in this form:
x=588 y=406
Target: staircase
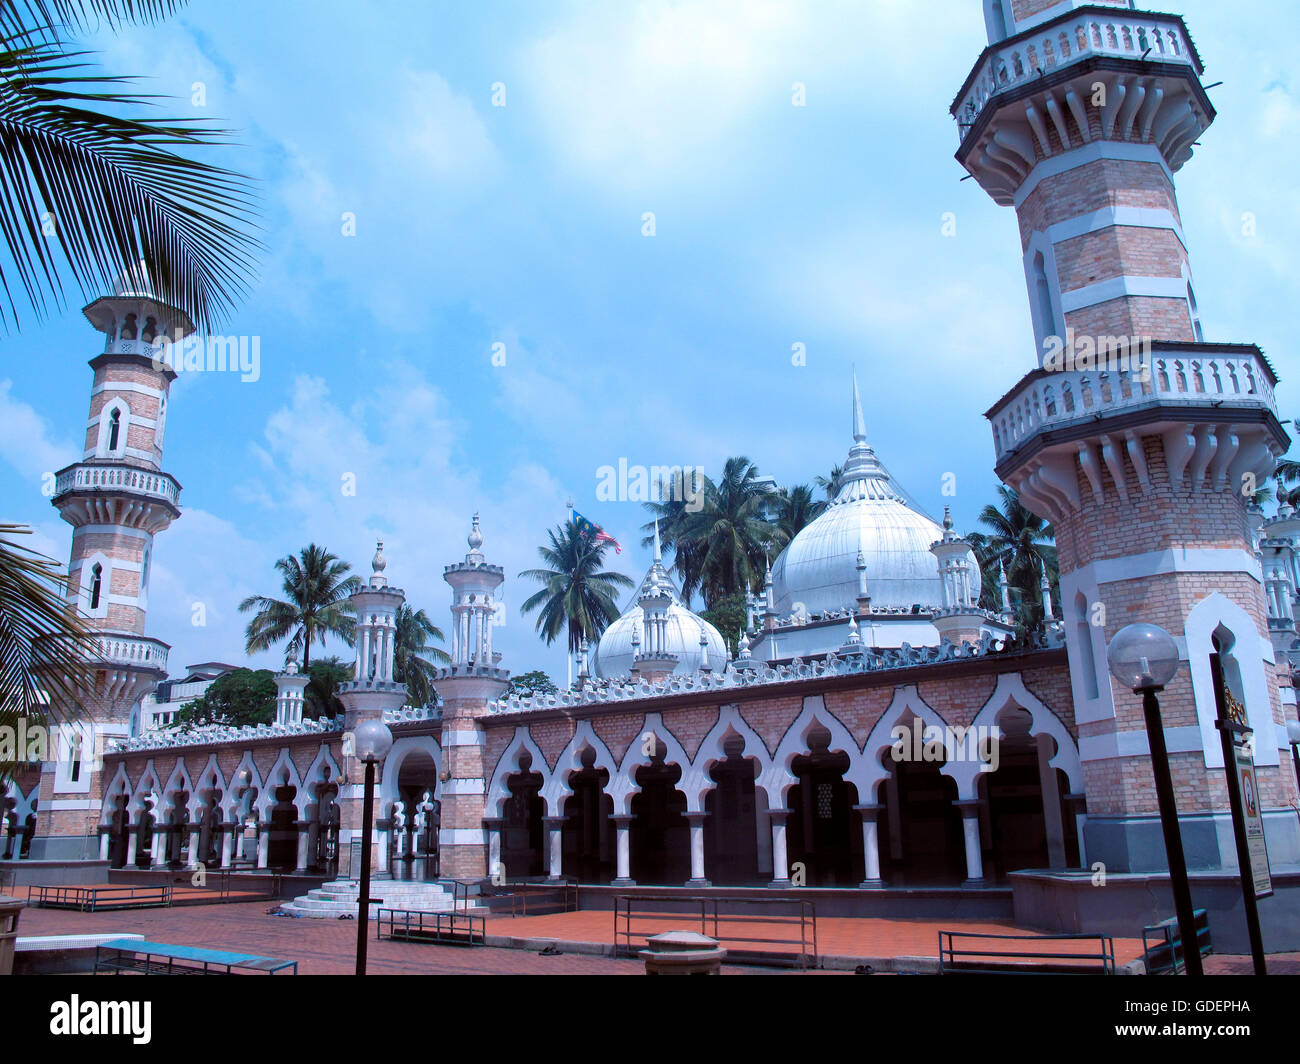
x=332 y=900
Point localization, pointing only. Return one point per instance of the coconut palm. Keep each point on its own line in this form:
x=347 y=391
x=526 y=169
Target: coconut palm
x=719 y=550
x=316 y=590
x=414 y=654
x=1021 y=542
x=87 y=192
x=578 y=597
x=794 y=509
x=831 y=485
x=46 y=647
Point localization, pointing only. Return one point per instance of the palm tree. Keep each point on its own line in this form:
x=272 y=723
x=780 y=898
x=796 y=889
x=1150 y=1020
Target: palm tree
x=1021 y=542
x=316 y=590
x=46 y=647
x=719 y=550
x=414 y=654
x=831 y=485
x=89 y=193
x=577 y=595
x=795 y=509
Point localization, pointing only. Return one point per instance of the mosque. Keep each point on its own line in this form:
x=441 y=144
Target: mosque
x=672 y=764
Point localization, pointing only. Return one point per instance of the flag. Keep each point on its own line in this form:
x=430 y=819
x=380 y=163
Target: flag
x=586 y=528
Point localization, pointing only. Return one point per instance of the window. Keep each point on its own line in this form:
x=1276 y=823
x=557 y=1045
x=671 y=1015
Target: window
x=114 y=428
x=1088 y=659
x=74 y=770
x=96 y=584
x=1043 y=298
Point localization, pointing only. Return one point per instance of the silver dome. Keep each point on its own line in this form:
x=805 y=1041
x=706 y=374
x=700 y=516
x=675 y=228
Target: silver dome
x=819 y=568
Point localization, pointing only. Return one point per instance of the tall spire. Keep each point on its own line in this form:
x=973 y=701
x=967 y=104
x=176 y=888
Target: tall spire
x=658 y=552
x=859 y=422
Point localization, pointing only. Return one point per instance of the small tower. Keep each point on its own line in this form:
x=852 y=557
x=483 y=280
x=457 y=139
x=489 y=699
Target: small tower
x=467 y=687
x=289 y=688
x=370 y=693
x=960 y=620
x=655 y=661
x=117 y=499
x=1140 y=442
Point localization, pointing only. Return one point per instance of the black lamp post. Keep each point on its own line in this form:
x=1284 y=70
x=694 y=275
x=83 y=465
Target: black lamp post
x=371 y=740
x=1144 y=658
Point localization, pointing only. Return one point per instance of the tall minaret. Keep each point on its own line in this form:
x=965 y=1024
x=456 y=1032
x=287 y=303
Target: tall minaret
x=467 y=686
x=1140 y=442
x=117 y=499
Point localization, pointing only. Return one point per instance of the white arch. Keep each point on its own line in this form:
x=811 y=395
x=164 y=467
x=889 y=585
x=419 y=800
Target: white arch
x=149 y=784
x=283 y=773
x=123 y=428
x=119 y=786
x=402 y=749
x=232 y=802
x=315 y=773
x=1251 y=651
x=178 y=781
x=623 y=786
x=711 y=752
x=557 y=788
x=777 y=778
x=1010 y=690
x=498 y=792
x=209 y=779
x=907 y=699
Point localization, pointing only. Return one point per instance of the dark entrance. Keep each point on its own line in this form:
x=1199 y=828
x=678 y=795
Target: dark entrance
x=587 y=836
x=523 y=849
x=731 y=831
x=659 y=836
x=823 y=833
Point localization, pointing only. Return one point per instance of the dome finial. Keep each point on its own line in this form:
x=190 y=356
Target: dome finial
x=658 y=551
x=947 y=518
x=475 y=538
x=859 y=422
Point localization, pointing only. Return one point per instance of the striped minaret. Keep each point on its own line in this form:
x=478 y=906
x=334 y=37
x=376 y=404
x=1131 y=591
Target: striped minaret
x=117 y=499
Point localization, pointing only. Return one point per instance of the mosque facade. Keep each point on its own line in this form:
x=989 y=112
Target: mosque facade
x=876 y=729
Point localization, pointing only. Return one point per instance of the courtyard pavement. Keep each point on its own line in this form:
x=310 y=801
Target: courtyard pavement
x=327 y=947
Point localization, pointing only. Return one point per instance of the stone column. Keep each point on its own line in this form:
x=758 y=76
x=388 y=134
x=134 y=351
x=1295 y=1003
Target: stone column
x=870 y=844
x=304 y=848
x=1078 y=807
x=192 y=856
x=553 y=826
x=132 y=841
x=696 y=821
x=623 y=835
x=104 y=841
x=496 y=869
x=970 y=823
x=1052 y=823
x=263 y=845
x=158 y=845
x=780 y=866
x=227 y=844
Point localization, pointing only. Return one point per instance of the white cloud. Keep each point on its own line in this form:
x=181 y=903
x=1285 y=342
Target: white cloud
x=25 y=439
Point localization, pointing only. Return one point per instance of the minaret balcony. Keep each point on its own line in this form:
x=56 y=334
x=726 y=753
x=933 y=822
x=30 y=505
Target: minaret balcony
x=1212 y=407
x=1073 y=39
x=117 y=478
x=133 y=651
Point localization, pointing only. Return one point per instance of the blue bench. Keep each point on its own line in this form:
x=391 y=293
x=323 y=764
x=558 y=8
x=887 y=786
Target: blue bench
x=1162 y=944
x=158 y=958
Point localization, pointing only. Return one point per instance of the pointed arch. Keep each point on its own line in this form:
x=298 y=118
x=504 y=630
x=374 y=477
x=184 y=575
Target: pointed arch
x=498 y=792
x=402 y=749
x=119 y=786
x=177 y=782
x=623 y=787
x=283 y=773
x=907 y=700
x=778 y=777
x=232 y=803
x=711 y=751
x=315 y=773
x=1010 y=690
x=557 y=787
x=114 y=425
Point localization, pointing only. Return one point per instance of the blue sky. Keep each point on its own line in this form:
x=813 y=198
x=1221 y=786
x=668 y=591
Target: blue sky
x=522 y=225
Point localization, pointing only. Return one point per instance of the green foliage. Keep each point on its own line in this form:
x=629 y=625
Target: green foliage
x=241 y=696
x=728 y=617
x=315 y=604
x=414 y=655
x=319 y=698
x=1022 y=542
x=578 y=596
x=530 y=683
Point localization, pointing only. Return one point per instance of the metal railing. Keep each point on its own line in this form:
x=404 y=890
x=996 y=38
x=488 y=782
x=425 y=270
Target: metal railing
x=94 y=899
x=1024 y=954
x=723 y=919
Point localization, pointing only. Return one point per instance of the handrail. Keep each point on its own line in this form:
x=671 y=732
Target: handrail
x=709 y=914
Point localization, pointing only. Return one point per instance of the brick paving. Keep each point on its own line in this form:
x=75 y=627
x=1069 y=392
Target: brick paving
x=328 y=947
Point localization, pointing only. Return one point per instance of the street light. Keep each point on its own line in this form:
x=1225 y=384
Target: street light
x=1144 y=658
x=371 y=740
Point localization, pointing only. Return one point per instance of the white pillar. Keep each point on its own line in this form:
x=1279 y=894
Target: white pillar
x=103 y=846
x=553 y=824
x=192 y=856
x=623 y=837
x=870 y=845
x=970 y=823
x=780 y=866
x=157 y=846
x=263 y=845
x=132 y=842
x=697 y=849
x=227 y=845
x=304 y=838
x=494 y=851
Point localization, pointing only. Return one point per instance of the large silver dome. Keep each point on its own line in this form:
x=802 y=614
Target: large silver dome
x=614 y=653
x=819 y=569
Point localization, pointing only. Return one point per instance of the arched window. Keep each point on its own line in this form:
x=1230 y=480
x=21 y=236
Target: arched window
x=1088 y=659
x=1196 y=316
x=144 y=572
x=995 y=21
x=96 y=584
x=74 y=766
x=129 y=328
x=114 y=428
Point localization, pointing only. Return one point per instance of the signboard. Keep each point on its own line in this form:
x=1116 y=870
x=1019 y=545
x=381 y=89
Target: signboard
x=1248 y=788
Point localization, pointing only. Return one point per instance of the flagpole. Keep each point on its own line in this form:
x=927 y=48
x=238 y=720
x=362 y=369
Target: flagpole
x=568 y=653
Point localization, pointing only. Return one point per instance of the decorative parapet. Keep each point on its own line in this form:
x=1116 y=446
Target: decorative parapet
x=1067 y=41
x=225 y=734
x=133 y=651
x=1178 y=375
x=760 y=674
x=118 y=477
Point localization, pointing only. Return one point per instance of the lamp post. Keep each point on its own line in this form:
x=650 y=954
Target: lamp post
x=371 y=740
x=1144 y=658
